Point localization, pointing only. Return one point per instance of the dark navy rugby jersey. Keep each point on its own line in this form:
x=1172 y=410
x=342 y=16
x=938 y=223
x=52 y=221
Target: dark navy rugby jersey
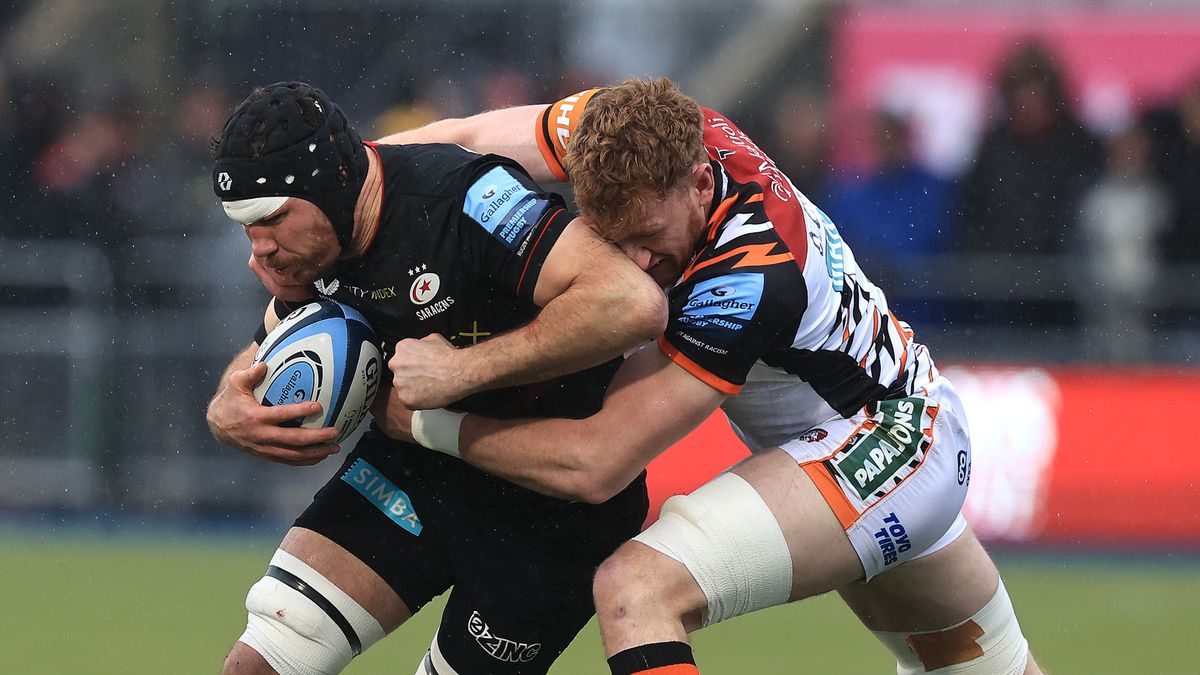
x=459 y=248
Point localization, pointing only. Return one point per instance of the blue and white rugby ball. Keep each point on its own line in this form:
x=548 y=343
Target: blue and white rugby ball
x=325 y=352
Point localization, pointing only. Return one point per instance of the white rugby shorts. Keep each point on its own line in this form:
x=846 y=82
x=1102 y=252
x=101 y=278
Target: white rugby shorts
x=895 y=474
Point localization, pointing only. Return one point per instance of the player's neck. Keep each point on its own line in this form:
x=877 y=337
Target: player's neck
x=366 y=211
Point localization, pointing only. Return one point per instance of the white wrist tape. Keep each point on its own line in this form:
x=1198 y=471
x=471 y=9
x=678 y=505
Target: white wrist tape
x=437 y=429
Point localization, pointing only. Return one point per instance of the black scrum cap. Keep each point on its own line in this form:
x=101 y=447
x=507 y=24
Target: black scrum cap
x=290 y=140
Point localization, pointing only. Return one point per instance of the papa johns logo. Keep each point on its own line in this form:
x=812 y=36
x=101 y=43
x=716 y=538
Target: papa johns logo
x=501 y=649
x=424 y=288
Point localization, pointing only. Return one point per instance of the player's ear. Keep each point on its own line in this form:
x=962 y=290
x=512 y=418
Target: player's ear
x=703 y=179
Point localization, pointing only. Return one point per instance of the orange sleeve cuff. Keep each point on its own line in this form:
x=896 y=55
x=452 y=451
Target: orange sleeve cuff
x=554 y=128
x=680 y=359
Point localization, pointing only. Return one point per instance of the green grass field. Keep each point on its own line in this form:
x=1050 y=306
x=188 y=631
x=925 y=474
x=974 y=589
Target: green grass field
x=173 y=604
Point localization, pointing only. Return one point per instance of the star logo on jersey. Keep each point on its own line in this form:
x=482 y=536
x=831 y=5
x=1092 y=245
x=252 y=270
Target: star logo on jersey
x=424 y=288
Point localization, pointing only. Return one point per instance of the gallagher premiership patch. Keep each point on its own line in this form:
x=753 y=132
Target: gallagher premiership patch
x=503 y=206
x=726 y=303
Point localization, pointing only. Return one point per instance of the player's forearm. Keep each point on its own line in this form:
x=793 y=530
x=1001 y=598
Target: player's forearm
x=557 y=457
x=240 y=361
x=579 y=329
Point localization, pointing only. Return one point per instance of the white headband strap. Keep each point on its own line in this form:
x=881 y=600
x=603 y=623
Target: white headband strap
x=247 y=211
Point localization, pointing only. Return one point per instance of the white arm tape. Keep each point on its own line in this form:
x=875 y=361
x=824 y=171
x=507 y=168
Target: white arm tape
x=437 y=429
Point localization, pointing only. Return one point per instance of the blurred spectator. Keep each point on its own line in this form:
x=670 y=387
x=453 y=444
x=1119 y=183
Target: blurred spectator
x=38 y=116
x=435 y=100
x=169 y=190
x=1175 y=137
x=74 y=175
x=504 y=87
x=1022 y=194
x=1121 y=218
x=800 y=141
x=897 y=214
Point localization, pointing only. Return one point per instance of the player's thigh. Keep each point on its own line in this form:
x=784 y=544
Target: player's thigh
x=354 y=577
x=928 y=593
x=380 y=528
x=945 y=612
x=314 y=610
x=894 y=475
x=756 y=536
x=822 y=558
x=516 y=617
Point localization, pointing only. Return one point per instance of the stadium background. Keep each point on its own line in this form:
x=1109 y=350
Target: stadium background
x=128 y=536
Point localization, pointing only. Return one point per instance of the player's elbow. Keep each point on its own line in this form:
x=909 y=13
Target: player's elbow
x=602 y=482
x=646 y=311
x=596 y=489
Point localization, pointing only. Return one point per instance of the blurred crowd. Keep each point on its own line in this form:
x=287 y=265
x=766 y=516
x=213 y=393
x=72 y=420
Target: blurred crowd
x=112 y=168
x=1110 y=209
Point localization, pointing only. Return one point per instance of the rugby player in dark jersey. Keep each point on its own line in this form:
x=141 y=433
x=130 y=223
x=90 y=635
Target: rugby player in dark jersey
x=424 y=239
x=861 y=456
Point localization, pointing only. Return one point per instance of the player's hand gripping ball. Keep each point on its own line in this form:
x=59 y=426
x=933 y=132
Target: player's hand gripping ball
x=325 y=352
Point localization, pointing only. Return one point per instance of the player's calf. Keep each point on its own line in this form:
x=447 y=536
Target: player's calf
x=990 y=642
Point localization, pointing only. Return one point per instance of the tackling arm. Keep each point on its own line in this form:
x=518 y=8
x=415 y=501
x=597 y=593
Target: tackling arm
x=509 y=132
x=596 y=305
x=651 y=404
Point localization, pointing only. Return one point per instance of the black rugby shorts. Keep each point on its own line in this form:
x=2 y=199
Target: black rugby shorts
x=520 y=564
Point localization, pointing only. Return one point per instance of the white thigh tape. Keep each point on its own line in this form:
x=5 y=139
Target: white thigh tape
x=296 y=636
x=731 y=543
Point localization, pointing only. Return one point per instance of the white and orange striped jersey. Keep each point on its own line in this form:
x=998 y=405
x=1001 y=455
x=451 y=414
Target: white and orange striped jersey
x=773 y=310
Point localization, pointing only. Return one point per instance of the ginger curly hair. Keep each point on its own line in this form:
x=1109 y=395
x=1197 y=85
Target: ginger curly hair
x=635 y=142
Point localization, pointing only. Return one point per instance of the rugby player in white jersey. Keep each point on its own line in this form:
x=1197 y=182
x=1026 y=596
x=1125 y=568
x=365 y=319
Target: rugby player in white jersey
x=861 y=457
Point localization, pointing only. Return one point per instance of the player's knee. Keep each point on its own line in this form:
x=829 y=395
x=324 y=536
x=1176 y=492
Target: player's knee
x=618 y=580
x=988 y=643
x=301 y=624
x=635 y=576
x=730 y=549
x=242 y=660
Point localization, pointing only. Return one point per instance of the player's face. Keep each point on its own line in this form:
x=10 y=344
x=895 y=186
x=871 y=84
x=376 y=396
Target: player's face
x=664 y=242
x=296 y=243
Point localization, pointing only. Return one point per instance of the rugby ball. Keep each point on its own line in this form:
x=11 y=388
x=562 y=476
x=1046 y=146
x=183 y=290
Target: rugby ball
x=325 y=352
